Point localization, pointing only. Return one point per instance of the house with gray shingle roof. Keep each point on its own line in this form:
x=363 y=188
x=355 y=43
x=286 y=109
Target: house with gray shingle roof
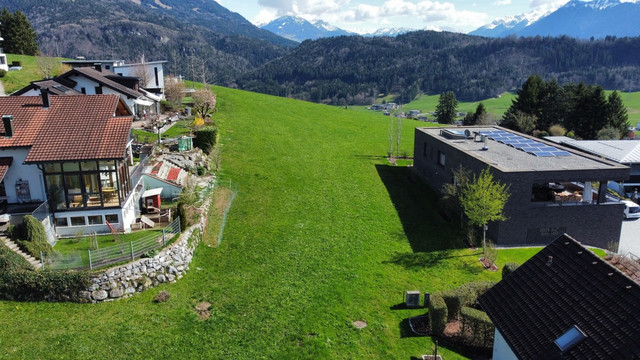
x=72 y=154
x=565 y=303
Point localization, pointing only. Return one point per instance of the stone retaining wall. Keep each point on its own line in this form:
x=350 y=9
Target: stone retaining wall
x=168 y=266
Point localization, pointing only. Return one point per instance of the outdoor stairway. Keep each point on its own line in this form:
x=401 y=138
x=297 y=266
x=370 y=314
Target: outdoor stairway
x=13 y=246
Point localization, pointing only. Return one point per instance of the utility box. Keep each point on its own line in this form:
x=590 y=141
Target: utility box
x=185 y=143
x=412 y=299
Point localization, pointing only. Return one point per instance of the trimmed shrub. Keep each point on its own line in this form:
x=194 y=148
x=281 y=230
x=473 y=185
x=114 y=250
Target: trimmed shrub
x=3 y=72
x=509 y=268
x=464 y=295
x=437 y=313
x=32 y=285
x=206 y=138
x=201 y=170
x=477 y=328
x=32 y=237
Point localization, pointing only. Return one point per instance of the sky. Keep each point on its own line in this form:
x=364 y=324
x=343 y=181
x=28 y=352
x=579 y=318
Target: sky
x=363 y=16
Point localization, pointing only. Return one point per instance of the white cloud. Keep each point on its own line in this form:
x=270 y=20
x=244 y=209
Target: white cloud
x=304 y=7
x=546 y=5
x=501 y=2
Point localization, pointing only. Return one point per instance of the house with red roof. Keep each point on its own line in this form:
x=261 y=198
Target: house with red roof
x=72 y=153
x=95 y=81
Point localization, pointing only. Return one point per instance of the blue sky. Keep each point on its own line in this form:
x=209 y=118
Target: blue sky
x=369 y=15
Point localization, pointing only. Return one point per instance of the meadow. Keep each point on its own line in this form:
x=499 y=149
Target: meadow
x=323 y=232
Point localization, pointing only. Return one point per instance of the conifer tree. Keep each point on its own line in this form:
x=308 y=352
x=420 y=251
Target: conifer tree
x=617 y=116
x=446 y=108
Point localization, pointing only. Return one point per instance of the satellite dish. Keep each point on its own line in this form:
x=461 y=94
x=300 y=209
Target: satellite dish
x=467 y=134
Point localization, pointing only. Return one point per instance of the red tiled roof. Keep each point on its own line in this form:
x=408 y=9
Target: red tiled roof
x=72 y=128
x=173 y=174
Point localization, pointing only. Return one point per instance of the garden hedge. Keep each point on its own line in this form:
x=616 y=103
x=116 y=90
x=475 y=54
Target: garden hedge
x=206 y=138
x=437 y=313
x=464 y=295
x=21 y=284
x=477 y=328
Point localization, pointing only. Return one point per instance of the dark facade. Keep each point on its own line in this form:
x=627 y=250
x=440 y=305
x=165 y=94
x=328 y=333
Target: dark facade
x=530 y=220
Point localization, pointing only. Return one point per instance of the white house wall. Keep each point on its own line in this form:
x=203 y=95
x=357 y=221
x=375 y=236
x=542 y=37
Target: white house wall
x=4 y=65
x=90 y=89
x=132 y=70
x=501 y=350
x=68 y=231
x=18 y=171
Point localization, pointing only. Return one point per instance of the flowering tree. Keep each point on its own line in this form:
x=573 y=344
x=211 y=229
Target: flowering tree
x=204 y=101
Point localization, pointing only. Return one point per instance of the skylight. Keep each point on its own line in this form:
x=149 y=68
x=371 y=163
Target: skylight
x=571 y=338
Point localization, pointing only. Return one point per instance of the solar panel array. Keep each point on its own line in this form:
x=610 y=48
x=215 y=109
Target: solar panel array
x=525 y=144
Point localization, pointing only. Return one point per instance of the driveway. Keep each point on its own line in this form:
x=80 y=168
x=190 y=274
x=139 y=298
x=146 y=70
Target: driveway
x=630 y=237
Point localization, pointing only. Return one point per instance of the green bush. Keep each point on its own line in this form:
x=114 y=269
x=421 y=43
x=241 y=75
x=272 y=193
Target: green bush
x=10 y=260
x=437 y=313
x=464 y=295
x=31 y=236
x=3 y=72
x=206 y=138
x=201 y=170
x=477 y=328
x=509 y=268
x=32 y=285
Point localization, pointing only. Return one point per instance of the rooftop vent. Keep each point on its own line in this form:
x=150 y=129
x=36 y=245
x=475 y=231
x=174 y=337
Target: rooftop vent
x=549 y=260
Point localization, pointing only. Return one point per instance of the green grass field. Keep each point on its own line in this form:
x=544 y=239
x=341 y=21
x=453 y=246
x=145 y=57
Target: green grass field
x=323 y=232
x=16 y=80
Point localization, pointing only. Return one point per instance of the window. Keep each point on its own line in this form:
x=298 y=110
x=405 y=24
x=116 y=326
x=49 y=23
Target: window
x=155 y=70
x=98 y=90
x=95 y=220
x=83 y=90
x=112 y=218
x=107 y=67
x=78 y=221
x=61 y=222
x=571 y=338
x=441 y=158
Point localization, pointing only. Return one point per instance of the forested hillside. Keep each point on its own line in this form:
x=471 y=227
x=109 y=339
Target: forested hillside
x=354 y=70
x=187 y=33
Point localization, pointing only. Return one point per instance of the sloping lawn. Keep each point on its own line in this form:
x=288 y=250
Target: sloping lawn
x=323 y=232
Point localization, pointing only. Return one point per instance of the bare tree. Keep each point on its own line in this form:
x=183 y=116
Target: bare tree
x=143 y=72
x=174 y=90
x=46 y=65
x=204 y=101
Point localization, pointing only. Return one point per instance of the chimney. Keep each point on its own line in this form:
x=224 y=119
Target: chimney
x=45 y=98
x=7 y=121
x=98 y=67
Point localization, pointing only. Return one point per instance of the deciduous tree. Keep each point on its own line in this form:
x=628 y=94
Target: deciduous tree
x=483 y=200
x=204 y=101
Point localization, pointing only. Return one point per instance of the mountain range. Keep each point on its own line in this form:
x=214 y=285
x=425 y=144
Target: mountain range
x=579 y=19
x=298 y=29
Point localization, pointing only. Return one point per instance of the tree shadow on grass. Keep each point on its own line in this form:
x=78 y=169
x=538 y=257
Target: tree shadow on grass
x=417 y=207
x=420 y=260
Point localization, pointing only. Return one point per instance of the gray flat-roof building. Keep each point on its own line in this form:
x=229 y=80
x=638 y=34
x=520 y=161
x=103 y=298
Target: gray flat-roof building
x=553 y=189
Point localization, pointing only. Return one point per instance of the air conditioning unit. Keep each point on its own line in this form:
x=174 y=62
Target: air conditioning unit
x=412 y=299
